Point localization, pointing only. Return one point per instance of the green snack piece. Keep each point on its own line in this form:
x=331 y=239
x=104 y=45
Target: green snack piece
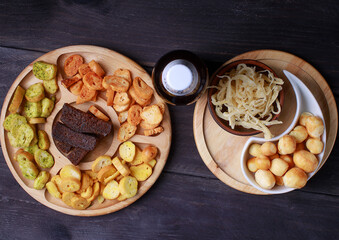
x=44 y=71
x=13 y=122
x=43 y=140
x=47 y=106
x=25 y=135
x=12 y=140
x=28 y=169
x=43 y=158
x=41 y=180
x=33 y=109
x=32 y=148
x=51 y=86
x=35 y=92
x=53 y=98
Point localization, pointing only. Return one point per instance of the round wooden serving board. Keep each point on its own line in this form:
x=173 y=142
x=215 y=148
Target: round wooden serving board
x=110 y=61
x=221 y=151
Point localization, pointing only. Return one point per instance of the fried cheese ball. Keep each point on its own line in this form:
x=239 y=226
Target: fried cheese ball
x=278 y=167
x=300 y=146
x=251 y=165
x=262 y=162
x=299 y=133
x=279 y=180
x=295 y=178
x=303 y=117
x=265 y=179
x=314 y=145
x=314 y=126
x=287 y=144
x=274 y=156
x=305 y=160
x=254 y=150
x=268 y=149
x=288 y=159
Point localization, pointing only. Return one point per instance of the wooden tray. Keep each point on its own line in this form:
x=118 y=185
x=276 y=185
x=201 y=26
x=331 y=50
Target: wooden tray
x=110 y=61
x=221 y=151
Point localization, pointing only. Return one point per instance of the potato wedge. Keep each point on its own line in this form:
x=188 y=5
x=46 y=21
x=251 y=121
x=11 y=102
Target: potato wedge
x=43 y=142
x=33 y=109
x=80 y=203
x=149 y=153
x=127 y=151
x=47 y=106
x=51 y=86
x=86 y=95
x=67 y=197
x=152 y=114
x=152 y=163
x=84 y=69
x=154 y=131
x=142 y=89
x=128 y=186
x=95 y=67
x=124 y=73
x=138 y=157
x=121 y=98
x=141 y=172
x=111 y=191
x=53 y=190
x=121 y=167
x=72 y=64
x=41 y=180
x=18 y=96
x=134 y=115
x=70 y=171
x=122 y=116
x=70 y=184
x=93 y=81
x=126 y=131
x=68 y=82
x=76 y=88
x=44 y=71
x=35 y=92
x=37 y=120
x=106 y=172
x=110 y=96
x=96 y=112
x=101 y=162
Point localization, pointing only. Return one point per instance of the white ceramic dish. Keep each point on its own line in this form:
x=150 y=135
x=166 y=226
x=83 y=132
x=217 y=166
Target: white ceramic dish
x=306 y=102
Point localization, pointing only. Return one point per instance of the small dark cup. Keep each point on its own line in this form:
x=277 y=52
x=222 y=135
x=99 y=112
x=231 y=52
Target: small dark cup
x=238 y=130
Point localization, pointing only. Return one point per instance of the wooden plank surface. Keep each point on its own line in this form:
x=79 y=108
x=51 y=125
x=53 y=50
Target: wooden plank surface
x=187 y=202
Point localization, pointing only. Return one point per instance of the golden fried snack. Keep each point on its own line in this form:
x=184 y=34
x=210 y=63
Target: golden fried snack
x=112 y=177
x=93 y=81
x=137 y=158
x=122 y=116
x=67 y=197
x=134 y=115
x=295 y=178
x=127 y=151
x=152 y=114
x=126 y=131
x=95 y=67
x=141 y=172
x=265 y=179
x=154 y=131
x=84 y=69
x=255 y=150
x=53 y=190
x=36 y=120
x=124 y=73
x=117 y=84
x=161 y=107
x=111 y=191
x=268 y=149
x=70 y=184
x=142 y=89
x=57 y=181
x=300 y=146
x=121 y=98
x=72 y=64
x=121 y=167
x=305 y=160
x=252 y=167
x=68 y=82
x=96 y=192
x=86 y=181
x=303 y=117
x=314 y=145
x=128 y=186
x=278 y=167
x=70 y=171
x=141 y=101
x=76 y=88
x=314 y=126
x=299 y=133
x=262 y=162
x=279 y=180
x=80 y=203
x=152 y=163
x=87 y=193
x=110 y=96
x=288 y=159
x=22 y=155
x=86 y=95
x=147 y=126
x=287 y=144
x=96 y=112
x=274 y=156
x=120 y=108
x=106 y=172
x=101 y=162
x=17 y=99
x=149 y=153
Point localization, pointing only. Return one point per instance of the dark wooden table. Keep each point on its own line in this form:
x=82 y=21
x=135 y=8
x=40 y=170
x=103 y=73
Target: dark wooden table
x=187 y=201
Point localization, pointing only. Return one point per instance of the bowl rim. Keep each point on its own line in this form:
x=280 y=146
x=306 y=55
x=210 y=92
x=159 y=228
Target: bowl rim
x=226 y=67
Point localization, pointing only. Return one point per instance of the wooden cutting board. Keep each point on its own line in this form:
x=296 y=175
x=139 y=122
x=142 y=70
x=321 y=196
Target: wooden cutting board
x=110 y=61
x=221 y=150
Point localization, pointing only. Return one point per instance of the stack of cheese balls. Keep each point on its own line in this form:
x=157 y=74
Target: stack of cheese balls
x=287 y=162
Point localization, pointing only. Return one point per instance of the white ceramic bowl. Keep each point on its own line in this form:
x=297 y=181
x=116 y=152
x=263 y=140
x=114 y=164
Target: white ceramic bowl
x=306 y=102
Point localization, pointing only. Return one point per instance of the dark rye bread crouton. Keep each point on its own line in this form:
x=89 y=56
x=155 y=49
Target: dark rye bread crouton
x=84 y=122
x=63 y=147
x=66 y=135
x=76 y=155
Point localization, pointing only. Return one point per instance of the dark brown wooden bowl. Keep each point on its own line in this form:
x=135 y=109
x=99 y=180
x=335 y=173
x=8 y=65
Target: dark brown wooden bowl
x=238 y=130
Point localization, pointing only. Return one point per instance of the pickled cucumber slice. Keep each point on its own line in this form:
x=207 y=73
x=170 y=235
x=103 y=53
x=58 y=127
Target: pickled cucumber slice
x=44 y=71
x=47 y=106
x=33 y=109
x=43 y=158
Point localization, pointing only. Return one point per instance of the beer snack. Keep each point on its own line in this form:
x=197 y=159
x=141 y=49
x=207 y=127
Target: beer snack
x=17 y=99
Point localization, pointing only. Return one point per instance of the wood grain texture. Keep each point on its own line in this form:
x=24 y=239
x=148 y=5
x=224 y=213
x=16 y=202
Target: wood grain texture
x=187 y=201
